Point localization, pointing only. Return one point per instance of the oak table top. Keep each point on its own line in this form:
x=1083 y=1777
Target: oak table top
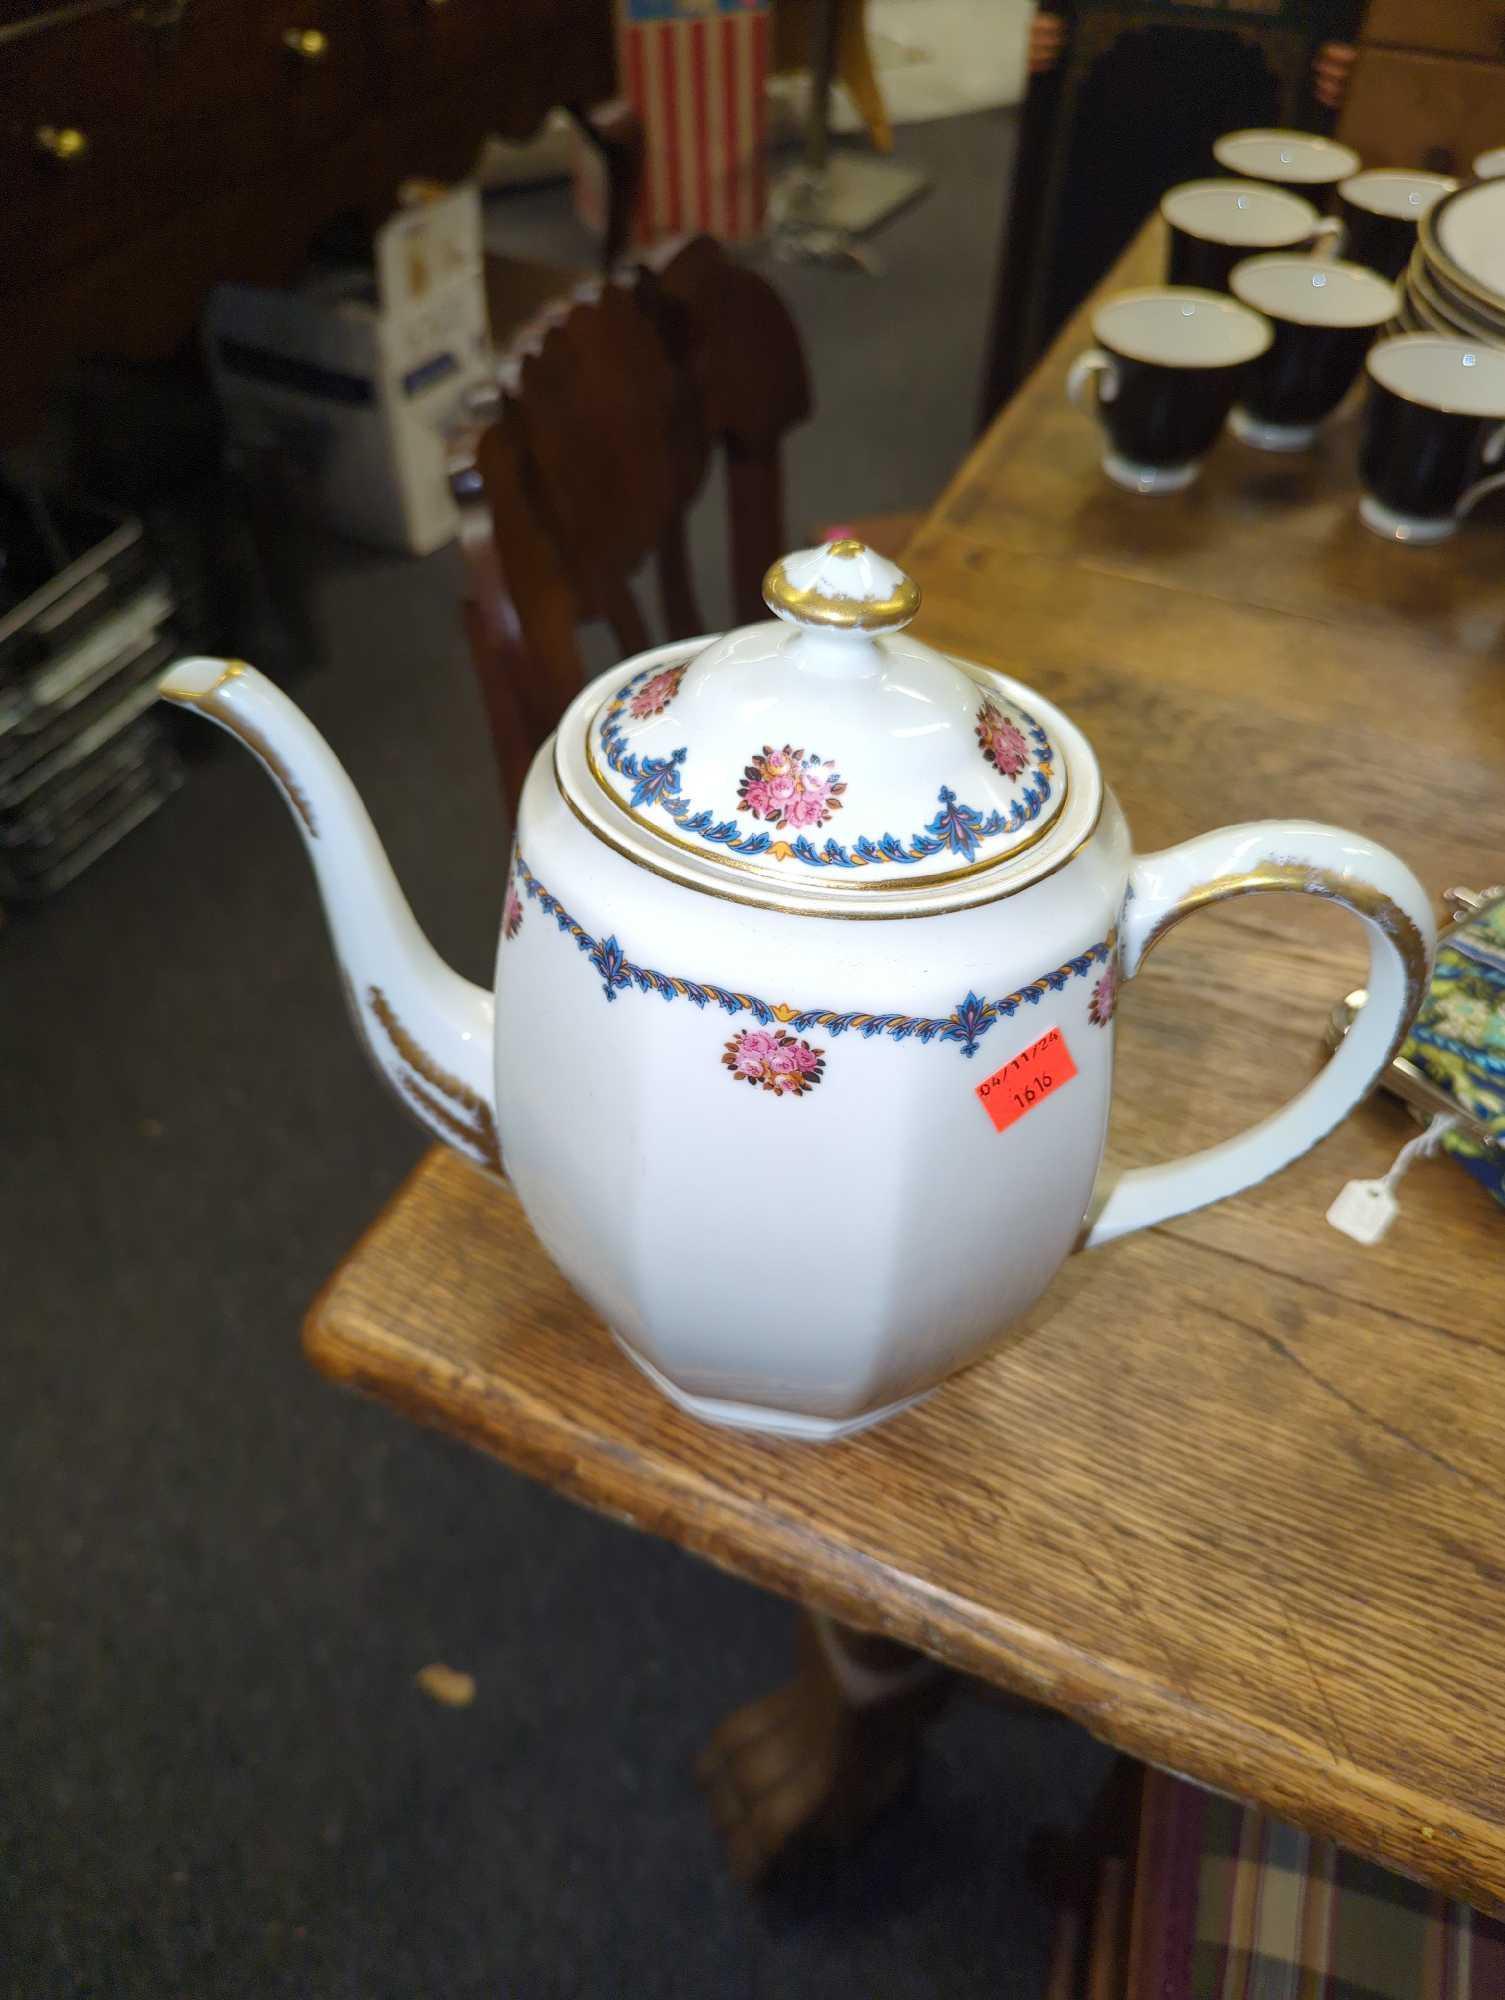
x=1234 y=1495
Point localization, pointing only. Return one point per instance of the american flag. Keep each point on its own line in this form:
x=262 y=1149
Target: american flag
x=695 y=71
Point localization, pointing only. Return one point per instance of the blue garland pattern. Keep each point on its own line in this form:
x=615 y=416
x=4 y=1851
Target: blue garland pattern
x=965 y=1026
x=956 y=829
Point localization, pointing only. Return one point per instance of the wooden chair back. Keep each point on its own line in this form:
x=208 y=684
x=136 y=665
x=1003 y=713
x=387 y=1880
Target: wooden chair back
x=583 y=464
x=518 y=288
x=1065 y=220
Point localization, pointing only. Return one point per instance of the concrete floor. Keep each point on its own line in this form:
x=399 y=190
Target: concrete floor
x=218 y=1576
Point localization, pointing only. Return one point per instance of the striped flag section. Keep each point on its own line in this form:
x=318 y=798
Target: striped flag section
x=695 y=72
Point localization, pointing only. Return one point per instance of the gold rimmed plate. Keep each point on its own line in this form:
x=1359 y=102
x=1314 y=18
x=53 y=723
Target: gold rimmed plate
x=1445 y=313
x=1462 y=240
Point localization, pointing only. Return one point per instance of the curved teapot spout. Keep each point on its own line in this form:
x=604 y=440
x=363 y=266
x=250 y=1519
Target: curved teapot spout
x=429 y=1032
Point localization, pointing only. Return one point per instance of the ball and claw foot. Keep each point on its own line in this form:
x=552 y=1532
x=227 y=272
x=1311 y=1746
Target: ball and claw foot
x=820 y=1758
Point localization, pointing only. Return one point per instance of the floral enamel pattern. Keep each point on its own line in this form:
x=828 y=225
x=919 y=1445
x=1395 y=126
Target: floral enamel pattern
x=773 y=1059
x=769 y=1059
x=1104 y=997
x=512 y=919
x=1003 y=742
x=656 y=693
x=797 y=801
x=1458 y=1040
x=789 y=788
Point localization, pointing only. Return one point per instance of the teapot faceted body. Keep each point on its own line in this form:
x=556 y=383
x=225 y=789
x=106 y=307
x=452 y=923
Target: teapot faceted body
x=799 y=1057
x=753 y=1140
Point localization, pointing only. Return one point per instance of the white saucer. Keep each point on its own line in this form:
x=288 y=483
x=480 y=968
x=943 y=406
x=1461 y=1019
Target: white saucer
x=1271 y=437
x=1412 y=529
x=1136 y=478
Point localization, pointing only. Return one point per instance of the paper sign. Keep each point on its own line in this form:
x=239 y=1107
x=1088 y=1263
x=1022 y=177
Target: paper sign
x=1027 y=1080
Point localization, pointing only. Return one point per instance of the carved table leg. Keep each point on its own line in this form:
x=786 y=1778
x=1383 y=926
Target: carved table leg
x=821 y=1757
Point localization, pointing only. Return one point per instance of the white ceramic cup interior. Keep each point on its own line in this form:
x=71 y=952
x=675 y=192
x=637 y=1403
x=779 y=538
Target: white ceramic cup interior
x=1462 y=377
x=1491 y=165
x=1180 y=327
x=1396 y=191
x=1273 y=155
x=1239 y=212
x=1311 y=292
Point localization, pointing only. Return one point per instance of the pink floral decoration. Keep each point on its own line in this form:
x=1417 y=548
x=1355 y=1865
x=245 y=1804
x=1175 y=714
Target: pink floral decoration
x=655 y=695
x=1002 y=742
x=790 y=789
x=512 y=920
x=775 y=1060
x=1104 y=997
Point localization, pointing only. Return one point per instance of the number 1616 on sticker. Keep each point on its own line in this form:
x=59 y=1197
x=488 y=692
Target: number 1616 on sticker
x=1026 y=1080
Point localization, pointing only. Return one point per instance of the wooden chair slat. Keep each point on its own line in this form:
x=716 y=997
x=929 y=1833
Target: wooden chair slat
x=610 y=407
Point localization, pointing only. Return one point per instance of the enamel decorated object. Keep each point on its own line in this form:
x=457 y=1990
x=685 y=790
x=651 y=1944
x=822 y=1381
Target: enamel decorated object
x=801 y=1045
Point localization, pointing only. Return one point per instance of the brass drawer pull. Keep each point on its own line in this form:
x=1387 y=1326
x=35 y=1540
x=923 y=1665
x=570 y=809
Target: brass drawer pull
x=310 y=45
x=63 y=143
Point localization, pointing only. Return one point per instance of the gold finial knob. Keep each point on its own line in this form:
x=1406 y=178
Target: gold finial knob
x=307 y=44
x=61 y=142
x=843 y=587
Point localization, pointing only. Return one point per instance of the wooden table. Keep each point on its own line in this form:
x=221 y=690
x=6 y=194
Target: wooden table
x=1234 y=1496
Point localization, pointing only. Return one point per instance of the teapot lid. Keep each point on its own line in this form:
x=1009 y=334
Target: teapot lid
x=826 y=750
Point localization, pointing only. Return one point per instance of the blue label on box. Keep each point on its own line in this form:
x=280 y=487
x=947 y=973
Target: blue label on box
x=637 y=11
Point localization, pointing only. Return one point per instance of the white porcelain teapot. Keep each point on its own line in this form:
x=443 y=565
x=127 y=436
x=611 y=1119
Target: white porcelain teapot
x=802 y=1040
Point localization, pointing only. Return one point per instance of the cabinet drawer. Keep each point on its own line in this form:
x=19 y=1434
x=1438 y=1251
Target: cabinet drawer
x=234 y=89
x=545 y=52
x=73 y=189
x=103 y=66
x=151 y=57
x=253 y=79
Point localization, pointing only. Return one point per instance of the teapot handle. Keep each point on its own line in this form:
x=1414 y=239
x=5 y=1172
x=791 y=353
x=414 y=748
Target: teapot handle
x=1243 y=860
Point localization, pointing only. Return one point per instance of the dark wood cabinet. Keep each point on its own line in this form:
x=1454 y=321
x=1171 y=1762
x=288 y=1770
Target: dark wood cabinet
x=149 y=148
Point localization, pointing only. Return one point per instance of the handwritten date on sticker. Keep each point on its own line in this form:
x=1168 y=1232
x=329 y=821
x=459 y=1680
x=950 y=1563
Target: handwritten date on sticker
x=1026 y=1080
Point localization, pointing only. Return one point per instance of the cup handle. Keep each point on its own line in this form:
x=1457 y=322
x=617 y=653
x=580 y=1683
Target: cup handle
x=1091 y=362
x=1494 y=450
x=1330 y=237
x=1245 y=860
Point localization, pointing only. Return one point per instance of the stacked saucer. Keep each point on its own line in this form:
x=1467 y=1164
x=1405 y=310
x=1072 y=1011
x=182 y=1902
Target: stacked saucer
x=1455 y=282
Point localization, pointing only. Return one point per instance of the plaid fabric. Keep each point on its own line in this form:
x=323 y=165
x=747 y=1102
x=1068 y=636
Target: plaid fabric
x=1232 y=1905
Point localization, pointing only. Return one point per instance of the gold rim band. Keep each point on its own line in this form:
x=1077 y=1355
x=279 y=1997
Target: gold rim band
x=237 y=726
x=1362 y=898
x=808 y=606
x=1434 y=253
x=869 y=915
x=834 y=885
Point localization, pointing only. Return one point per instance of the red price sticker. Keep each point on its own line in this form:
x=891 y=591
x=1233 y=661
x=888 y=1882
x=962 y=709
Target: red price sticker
x=1033 y=1075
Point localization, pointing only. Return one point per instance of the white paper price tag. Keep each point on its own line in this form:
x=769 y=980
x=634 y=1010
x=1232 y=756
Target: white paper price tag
x=1364 y=1210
